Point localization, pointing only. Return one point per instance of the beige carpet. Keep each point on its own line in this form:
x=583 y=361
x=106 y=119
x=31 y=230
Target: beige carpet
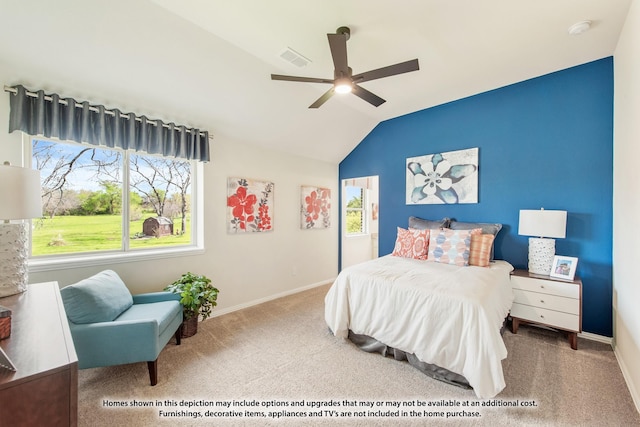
x=280 y=354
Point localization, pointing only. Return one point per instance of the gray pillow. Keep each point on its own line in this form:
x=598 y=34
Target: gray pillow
x=487 y=228
x=428 y=224
x=99 y=298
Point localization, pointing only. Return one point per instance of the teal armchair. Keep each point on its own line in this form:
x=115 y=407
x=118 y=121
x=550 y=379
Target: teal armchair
x=109 y=326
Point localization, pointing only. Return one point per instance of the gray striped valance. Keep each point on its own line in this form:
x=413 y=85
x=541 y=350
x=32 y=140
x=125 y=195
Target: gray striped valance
x=37 y=113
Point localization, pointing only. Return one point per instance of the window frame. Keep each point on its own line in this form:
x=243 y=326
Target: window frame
x=125 y=254
x=363 y=212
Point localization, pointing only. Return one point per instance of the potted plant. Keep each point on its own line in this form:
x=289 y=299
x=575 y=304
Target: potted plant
x=197 y=296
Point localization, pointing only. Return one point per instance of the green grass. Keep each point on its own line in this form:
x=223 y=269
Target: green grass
x=74 y=234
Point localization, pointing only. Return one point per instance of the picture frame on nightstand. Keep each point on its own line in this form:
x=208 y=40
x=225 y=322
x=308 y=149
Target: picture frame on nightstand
x=564 y=267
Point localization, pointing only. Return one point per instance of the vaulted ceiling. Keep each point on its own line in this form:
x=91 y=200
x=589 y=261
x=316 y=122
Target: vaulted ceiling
x=207 y=63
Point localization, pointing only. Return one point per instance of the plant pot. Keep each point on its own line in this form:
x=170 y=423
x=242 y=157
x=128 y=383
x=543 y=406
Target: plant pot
x=189 y=327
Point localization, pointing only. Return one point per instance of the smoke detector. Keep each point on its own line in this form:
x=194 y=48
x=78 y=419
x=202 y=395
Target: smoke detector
x=579 y=28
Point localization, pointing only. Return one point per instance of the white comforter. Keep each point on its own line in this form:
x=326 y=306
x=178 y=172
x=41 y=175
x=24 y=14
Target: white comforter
x=446 y=315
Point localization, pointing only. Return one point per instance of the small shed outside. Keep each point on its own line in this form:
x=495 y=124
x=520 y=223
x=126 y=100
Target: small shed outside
x=157 y=226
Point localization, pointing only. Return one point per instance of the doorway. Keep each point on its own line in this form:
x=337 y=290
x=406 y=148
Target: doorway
x=360 y=219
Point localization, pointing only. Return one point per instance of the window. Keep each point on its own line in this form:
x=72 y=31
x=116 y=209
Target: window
x=356 y=218
x=97 y=200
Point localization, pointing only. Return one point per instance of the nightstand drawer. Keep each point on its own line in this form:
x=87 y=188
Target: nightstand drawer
x=550 y=302
x=567 y=290
x=552 y=318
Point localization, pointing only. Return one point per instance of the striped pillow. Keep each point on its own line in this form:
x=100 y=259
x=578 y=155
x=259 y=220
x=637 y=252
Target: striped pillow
x=480 y=249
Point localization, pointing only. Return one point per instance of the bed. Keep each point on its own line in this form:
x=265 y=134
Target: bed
x=445 y=317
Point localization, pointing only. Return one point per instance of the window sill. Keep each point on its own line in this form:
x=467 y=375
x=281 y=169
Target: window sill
x=107 y=258
x=356 y=236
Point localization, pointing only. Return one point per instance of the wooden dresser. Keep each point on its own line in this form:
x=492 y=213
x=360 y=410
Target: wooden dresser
x=43 y=391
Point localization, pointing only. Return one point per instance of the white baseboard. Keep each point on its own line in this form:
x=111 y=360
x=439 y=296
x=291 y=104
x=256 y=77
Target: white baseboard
x=635 y=393
x=216 y=313
x=595 y=337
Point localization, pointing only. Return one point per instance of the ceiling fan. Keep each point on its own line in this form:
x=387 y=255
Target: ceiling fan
x=343 y=80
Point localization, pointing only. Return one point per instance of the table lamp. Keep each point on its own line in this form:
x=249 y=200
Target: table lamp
x=21 y=199
x=546 y=225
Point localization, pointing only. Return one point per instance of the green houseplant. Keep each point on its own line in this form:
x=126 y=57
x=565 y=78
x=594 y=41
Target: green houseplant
x=197 y=296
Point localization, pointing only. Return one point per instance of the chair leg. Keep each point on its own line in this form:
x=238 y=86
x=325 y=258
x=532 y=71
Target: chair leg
x=178 y=334
x=153 y=371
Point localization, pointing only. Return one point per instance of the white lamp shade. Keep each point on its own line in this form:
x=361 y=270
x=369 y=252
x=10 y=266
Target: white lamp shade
x=543 y=223
x=19 y=193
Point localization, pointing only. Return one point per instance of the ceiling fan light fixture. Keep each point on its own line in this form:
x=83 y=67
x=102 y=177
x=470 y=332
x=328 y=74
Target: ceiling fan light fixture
x=343 y=85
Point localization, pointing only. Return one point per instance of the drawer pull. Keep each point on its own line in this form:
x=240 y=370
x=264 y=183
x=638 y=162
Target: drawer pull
x=542 y=301
x=541 y=316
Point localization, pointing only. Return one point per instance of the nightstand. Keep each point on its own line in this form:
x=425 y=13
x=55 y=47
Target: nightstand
x=547 y=301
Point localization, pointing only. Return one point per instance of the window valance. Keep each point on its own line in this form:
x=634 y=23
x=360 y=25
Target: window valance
x=37 y=113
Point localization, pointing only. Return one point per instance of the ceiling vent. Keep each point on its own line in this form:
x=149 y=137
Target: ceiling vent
x=294 y=57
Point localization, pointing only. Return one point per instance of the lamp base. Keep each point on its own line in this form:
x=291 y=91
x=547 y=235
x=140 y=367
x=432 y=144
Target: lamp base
x=541 y=254
x=13 y=259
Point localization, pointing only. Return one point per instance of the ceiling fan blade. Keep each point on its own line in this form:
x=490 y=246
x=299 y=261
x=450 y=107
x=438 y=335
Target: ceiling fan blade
x=371 y=98
x=391 y=70
x=328 y=94
x=300 y=79
x=338 y=46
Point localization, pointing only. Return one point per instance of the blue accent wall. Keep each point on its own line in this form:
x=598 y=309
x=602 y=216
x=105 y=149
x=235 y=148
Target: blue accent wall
x=545 y=142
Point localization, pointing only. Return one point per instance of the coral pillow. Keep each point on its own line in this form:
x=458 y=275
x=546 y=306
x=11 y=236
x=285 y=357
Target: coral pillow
x=450 y=246
x=411 y=243
x=480 y=249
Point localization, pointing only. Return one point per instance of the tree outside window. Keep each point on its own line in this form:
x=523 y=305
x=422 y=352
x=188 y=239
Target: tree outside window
x=85 y=199
x=355 y=212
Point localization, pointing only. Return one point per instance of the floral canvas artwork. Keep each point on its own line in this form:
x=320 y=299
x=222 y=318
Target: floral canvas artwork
x=315 y=207
x=249 y=205
x=443 y=178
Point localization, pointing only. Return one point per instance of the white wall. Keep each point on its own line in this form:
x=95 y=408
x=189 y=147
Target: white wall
x=626 y=201
x=246 y=268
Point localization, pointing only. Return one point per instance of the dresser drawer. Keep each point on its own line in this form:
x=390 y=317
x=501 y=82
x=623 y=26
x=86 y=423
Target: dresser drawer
x=567 y=290
x=550 y=302
x=552 y=318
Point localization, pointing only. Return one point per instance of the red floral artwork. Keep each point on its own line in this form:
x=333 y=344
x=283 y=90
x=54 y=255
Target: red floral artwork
x=316 y=208
x=243 y=197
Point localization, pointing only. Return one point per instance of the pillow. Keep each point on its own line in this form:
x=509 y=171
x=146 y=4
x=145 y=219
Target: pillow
x=99 y=298
x=411 y=243
x=480 y=249
x=487 y=228
x=450 y=246
x=428 y=224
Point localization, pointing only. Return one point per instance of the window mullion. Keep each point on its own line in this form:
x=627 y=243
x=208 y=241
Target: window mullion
x=125 y=201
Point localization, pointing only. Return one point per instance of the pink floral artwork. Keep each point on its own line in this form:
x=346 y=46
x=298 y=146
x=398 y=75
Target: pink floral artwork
x=249 y=205
x=315 y=207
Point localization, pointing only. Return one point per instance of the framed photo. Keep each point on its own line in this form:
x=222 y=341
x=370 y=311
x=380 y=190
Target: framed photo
x=564 y=267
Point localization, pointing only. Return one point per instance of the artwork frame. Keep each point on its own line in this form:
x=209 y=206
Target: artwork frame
x=315 y=207
x=249 y=205
x=443 y=178
x=564 y=267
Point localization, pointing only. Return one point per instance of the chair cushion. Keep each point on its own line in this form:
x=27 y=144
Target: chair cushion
x=99 y=298
x=162 y=312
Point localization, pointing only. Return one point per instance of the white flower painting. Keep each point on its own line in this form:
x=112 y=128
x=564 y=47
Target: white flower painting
x=443 y=178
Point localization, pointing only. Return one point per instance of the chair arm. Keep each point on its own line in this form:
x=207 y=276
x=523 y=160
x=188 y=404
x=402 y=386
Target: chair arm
x=115 y=343
x=155 y=297
x=115 y=329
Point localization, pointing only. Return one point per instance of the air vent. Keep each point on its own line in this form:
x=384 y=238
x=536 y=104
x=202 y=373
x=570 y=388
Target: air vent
x=294 y=57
